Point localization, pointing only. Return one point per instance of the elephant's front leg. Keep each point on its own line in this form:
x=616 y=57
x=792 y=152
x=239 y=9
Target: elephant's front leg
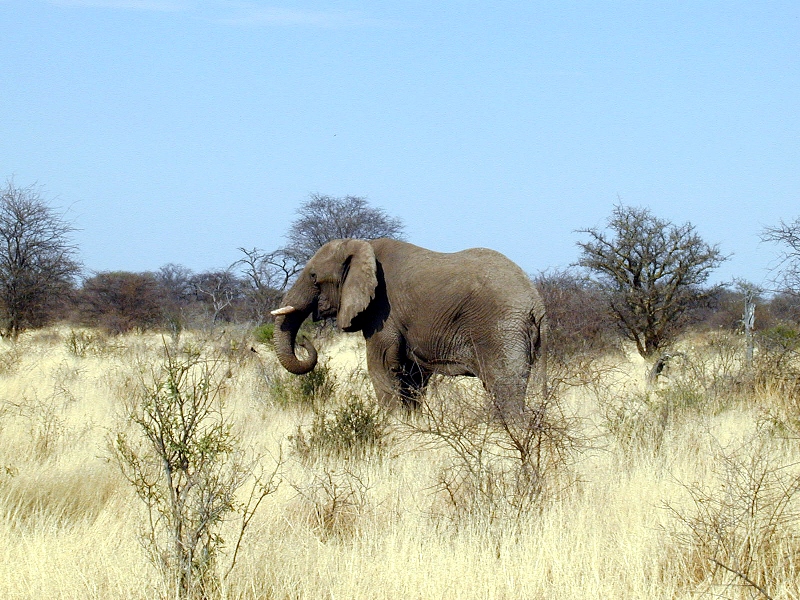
x=396 y=381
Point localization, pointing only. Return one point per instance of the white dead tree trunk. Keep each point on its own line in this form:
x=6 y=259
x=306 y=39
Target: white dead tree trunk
x=749 y=320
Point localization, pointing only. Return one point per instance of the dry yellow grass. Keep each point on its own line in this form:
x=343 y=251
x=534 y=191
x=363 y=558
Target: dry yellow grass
x=70 y=524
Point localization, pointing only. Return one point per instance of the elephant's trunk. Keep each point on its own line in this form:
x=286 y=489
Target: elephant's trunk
x=286 y=328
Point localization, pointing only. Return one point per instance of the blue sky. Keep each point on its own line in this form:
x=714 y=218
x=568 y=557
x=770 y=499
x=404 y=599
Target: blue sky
x=180 y=130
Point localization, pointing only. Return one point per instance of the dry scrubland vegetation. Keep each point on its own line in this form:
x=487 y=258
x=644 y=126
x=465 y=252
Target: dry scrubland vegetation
x=135 y=464
x=682 y=489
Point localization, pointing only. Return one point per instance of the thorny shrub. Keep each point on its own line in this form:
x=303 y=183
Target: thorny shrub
x=578 y=318
x=777 y=362
x=11 y=355
x=500 y=465
x=187 y=465
x=335 y=500
x=637 y=420
x=45 y=415
x=704 y=378
x=739 y=533
x=80 y=343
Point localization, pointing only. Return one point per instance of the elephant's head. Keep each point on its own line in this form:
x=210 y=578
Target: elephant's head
x=338 y=281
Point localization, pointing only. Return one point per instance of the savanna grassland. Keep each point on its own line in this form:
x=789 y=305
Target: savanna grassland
x=684 y=488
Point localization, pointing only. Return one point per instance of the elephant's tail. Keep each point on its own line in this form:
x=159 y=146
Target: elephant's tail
x=539 y=349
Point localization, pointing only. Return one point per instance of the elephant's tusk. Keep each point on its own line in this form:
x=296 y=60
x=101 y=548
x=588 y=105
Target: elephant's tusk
x=283 y=310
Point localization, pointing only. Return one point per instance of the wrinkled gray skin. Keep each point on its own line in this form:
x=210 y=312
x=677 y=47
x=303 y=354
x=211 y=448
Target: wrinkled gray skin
x=421 y=312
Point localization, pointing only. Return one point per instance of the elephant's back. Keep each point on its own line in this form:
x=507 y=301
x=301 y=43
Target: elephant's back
x=478 y=276
x=403 y=258
x=494 y=272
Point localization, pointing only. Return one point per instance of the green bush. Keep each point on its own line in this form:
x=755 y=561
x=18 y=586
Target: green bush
x=781 y=336
x=312 y=389
x=318 y=385
x=186 y=463
x=354 y=429
x=265 y=333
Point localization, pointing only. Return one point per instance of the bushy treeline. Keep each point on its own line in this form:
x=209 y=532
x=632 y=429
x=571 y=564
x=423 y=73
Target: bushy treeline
x=581 y=322
x=641 y=278
x=174 y=297
x=40 y=270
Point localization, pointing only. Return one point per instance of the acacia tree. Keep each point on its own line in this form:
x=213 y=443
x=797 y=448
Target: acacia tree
x=652 y=272
x=324 y=218
x=37 y=259
x=120 y=301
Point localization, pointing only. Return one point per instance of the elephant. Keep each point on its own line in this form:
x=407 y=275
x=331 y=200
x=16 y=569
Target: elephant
x=472 y=313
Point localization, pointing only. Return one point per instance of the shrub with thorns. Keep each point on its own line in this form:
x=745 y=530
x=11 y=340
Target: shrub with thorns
x=502 y=465
x=742 y=532
x=186 y=464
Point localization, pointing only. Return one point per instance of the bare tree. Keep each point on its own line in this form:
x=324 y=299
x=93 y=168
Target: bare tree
x=220 y=289
x=325 y=218
x=266 y=277
x=177 y=283
x=787 y=235
x=37 y=259
x=652 y=271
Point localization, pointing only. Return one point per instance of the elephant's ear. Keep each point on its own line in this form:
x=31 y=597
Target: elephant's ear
x=360 y=281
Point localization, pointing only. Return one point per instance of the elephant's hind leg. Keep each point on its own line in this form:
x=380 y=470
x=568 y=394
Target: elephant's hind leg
x=506 y=382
